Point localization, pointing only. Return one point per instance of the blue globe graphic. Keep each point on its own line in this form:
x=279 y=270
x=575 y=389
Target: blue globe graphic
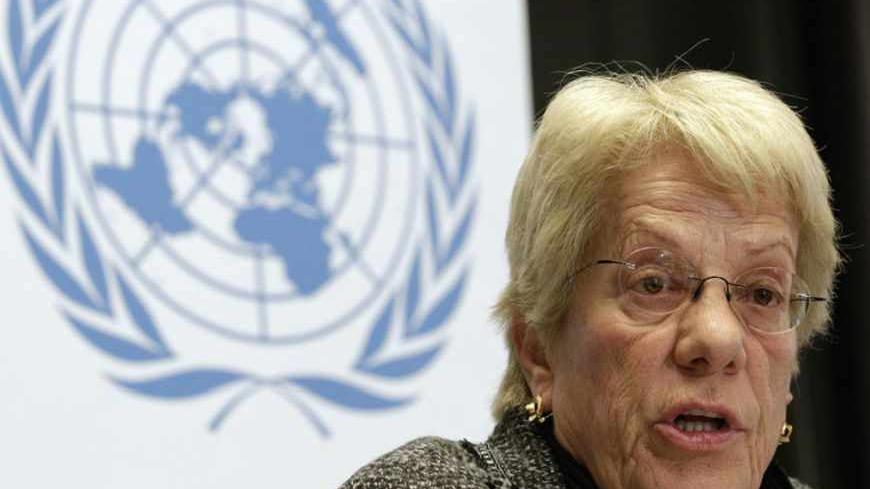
x=247 y=200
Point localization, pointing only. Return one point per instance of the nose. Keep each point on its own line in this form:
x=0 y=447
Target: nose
x=710 y=335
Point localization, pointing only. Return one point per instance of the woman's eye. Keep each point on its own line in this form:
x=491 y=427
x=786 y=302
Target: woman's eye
x=653 y=284
x=765 y=297
x=650 y=283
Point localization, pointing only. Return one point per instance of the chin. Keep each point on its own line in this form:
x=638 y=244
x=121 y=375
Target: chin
x=693 y=474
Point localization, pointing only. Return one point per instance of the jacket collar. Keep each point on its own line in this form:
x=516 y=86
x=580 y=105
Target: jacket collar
x=521 y=456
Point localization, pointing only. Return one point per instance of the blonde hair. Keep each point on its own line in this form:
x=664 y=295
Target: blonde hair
x=742 y=136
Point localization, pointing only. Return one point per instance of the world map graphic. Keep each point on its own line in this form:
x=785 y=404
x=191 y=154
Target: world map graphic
x=264 y=175
x=282 y=210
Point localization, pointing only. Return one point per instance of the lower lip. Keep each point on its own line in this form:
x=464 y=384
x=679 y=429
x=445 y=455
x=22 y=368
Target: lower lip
x=697 y=440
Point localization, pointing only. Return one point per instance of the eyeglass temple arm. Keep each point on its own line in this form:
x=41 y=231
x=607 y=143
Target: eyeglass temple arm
x=599 y=262
x=809 y=298
x=602 y=262
x=612 y=262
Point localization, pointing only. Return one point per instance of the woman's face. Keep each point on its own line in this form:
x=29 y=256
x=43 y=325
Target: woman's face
x=621 y=393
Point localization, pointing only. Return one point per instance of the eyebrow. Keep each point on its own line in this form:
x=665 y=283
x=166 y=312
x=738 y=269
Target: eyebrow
x=670 y=238
x=782 y=242
x=641 y=232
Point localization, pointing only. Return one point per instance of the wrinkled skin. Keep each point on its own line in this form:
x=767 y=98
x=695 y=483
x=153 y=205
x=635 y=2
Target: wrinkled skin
x=608 y=383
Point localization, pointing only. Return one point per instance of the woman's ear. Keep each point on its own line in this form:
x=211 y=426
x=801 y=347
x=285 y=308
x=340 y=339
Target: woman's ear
x=532 y=355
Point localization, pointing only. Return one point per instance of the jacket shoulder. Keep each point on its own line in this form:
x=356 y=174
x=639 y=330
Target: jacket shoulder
x=428 y=462
x=796 y=484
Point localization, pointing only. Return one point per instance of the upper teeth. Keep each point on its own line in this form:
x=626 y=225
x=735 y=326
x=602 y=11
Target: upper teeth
x=690 y=426
x=710 y=424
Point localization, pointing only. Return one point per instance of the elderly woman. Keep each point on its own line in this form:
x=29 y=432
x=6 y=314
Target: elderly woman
x=671 y=245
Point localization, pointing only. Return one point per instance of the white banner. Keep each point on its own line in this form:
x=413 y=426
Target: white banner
x=250 y=243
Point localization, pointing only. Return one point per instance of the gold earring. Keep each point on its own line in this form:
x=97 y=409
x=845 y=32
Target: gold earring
x=535 y=410
x=785 y=433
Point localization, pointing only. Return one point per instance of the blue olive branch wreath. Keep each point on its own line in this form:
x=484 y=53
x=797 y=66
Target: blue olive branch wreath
x=31 y=29
x=87 y=282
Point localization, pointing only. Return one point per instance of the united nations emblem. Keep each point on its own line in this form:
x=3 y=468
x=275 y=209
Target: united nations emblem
x=248 y=176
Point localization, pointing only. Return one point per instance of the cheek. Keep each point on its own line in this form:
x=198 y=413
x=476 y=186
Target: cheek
x=772 y=371
x=601 y=385
x=607 y=357
x=770 y=375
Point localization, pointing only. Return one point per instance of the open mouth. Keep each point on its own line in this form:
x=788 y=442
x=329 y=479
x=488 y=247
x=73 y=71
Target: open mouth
x=700 y=428
x=700 y=421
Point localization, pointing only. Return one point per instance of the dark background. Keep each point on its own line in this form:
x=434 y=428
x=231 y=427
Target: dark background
x=813 y=53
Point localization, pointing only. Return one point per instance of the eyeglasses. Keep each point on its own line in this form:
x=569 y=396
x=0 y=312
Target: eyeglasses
x=654 y=283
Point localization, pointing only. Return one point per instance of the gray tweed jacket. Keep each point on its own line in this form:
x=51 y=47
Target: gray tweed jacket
x=514 y=457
